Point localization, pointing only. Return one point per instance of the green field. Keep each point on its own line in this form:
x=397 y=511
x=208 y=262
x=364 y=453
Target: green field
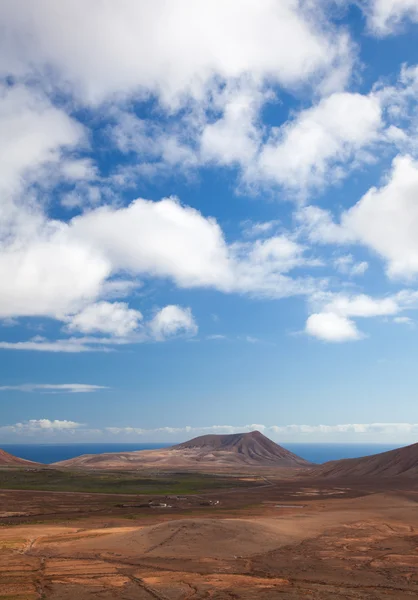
x=115 y=482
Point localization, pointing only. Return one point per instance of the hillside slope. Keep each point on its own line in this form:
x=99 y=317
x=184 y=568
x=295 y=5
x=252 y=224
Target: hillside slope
x=394 y=463
x=209 y=451
x=8 y=460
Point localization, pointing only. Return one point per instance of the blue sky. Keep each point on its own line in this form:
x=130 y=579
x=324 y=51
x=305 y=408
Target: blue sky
x=208 y=220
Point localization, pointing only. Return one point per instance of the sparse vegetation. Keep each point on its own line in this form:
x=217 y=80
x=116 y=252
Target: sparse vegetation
x=115 y=483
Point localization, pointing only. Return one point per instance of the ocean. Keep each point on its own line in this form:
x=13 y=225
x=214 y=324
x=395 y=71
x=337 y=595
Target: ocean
x=316 y=453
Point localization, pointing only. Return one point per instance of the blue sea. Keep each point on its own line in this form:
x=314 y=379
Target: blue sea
x=316 y=453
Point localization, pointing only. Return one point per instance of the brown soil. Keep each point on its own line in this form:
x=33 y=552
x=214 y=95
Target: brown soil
x=8 y=460
x=290 y=540
x=400 y=462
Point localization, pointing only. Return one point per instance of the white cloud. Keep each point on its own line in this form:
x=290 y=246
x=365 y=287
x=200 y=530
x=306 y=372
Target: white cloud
x=404 y=321
x=393 y=210
x=120 y=326
x=318 y=225
x=79 y=169
x=56 y=269
x=333 y=321
x=172 y=320
x=360 y=305
x=47 y=272
x=357 y=428
x=386 y=16
x=70 y=345
x=161 y=239
x=99 y=49
x=346 y=265
x=331 y=327
x=74 y=388
x=114 y=318
x=34 y=133
x=257 y=229
x=41 y=426
x=286 y=431
x=166 y=239
x=260 y=267
x=236 y=136
x=320 y=143
x=216 y=429
x=378 y=432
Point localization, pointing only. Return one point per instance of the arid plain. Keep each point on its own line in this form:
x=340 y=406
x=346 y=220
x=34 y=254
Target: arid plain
x=241 y=535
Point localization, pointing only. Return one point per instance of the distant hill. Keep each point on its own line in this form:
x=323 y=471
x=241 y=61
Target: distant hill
x=8 y=460
x=252 y=448
x=394 y=463
x=208 y=451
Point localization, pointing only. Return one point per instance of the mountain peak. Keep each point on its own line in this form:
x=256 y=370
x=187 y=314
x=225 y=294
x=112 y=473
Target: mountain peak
x=232 y=451
x=251 y=447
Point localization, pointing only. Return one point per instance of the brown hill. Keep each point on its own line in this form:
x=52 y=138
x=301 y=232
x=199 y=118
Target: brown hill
x=205 y=452
x=253 y=447
x=8 y=460
x=394 y=463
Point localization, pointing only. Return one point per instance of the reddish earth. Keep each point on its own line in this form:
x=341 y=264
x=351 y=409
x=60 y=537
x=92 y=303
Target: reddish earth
x=400 y=462
x=205 y=452
x=8 y=460
x=345 y=531
x=290 y=540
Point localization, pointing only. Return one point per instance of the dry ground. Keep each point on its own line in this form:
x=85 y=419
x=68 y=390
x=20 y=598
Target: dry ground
x=300 y=540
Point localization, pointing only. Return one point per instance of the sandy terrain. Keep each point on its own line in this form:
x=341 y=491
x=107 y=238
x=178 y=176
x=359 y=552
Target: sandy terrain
x=286 y=541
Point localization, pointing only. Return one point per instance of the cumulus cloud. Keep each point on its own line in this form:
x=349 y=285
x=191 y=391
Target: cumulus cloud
x=211 y=69
x=310 y=150
x=236 y=136
x=56 y=268
x=334 y=321
x=73 y=388
x=118 y=326
x=332 y=327
x=172 y=320
x=34 y=133
x=393 y=210
x=359 y=305
x=386 y=16
x=99 y=50
x=114 y=318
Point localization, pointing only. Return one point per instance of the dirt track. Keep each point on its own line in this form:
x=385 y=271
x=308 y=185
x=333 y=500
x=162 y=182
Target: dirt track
x=340 y=541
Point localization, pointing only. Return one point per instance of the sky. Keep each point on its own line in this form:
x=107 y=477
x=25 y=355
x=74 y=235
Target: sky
x=208 y=220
